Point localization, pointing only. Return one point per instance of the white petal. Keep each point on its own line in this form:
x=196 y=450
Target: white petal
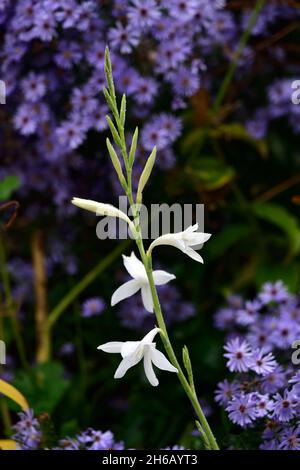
x=148 y=339
x=162 y=277
x=124 y=291
x=194 y=255
x=160 y=361
x=129 y=347
x=124 y=365
x=112 y=347
x=148 y=368
x=173 y=239
x=199 y=238
x=135 y=267
x=147 y=298
x=100 y=208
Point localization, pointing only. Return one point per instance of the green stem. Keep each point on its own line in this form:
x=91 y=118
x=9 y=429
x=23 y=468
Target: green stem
x=237 y=55
x=56 y=313
x=190 y=391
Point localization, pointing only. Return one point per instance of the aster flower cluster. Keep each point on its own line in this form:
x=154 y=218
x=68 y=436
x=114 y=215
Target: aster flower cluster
x=29 y=436
x=265 y=392
x=52 y=63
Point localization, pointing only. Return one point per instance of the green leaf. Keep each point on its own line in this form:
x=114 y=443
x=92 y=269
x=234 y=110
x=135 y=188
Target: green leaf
x=123 y=110
x=284 y=220
x=8 y=185
x=146 y=175
x=210 y=174
x=44 y=388
x=133 y=146
x=116 y=163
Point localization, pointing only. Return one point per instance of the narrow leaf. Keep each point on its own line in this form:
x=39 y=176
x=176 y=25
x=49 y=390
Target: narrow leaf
x=133 y=146
x=12 y=393
x=7 y=444
x=146 y=174
x=114 y=132
x=109 y=76
x=116 y=162
x=123 y=110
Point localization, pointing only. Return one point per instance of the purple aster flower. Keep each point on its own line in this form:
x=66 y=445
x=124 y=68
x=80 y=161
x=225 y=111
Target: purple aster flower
x=85 y=12
x=44 y=26
x=225 y=318
x=171 y=124
x=143 y=13
x=95 y=55
x=242 y=410
x=68 y=54
x=239 y=355
x=225 y=392
x=28 y=116
x=145 y=90
x=83 y=100
x=290 y=439
x=128 y=80
x=259 y=335
x=96 y=440
x=285 y=333
x=276 y=292
x=27 y=431
x=263 y=404
x=68 y=13
x=274 y=381
x=94 y=306
x=261 y=363
x=185 y=82
x=123 y=38
x=71 y=134
x=98 y=117
x=34 y=87
x=285 y=407
x=183 y=9
x=153 y=135
x=248 y=315
x=172 y=53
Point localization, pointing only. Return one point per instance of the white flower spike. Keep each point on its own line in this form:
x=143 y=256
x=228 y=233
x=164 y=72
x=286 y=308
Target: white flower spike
x=100 y=208
x=134 y=351
x=184 y=241
x=140 y=281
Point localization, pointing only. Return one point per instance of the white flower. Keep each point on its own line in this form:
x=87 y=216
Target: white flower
x=137 y=271
x=134 y=351
x=184 y=241
x=102 y=209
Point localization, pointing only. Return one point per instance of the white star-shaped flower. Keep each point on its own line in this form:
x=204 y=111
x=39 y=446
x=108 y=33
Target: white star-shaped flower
x=137 y=271
x=134 y=351
x=184 y=241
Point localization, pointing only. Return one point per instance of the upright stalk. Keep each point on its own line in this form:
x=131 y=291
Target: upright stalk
x=237 y=55
x=118 y=134
x=43 y=350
